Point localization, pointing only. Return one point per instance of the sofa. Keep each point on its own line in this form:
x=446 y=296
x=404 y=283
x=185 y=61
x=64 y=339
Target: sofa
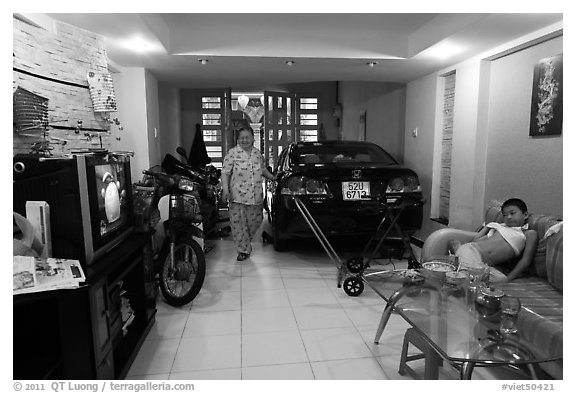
x=539 y=289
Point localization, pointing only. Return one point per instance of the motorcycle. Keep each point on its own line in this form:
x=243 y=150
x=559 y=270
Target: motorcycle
x=181 y=262
x=208 y=186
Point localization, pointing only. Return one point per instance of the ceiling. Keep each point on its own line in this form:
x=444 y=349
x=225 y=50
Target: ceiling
x=251 y=50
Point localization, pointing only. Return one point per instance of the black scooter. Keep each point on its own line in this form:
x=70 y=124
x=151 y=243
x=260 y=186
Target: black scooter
x=208 y=186
x=181 y=262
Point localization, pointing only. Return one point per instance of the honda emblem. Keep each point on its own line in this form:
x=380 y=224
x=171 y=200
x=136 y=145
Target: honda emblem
x=356 y=174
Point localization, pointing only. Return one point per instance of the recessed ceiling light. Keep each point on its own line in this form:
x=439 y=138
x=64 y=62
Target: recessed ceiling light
x=372 y=63
x=139 y=44
x=203 y=61
x=443 y=50
x=290 y=63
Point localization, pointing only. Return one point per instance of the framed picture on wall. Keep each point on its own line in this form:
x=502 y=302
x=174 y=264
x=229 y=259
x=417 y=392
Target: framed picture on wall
x=546 y=110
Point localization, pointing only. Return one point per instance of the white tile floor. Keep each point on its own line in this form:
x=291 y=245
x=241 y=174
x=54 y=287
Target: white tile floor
x=275 y=316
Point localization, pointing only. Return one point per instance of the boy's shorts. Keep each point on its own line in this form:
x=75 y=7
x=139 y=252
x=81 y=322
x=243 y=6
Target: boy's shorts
x=470 y=257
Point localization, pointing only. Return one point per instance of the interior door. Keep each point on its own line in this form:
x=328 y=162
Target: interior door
x=280 y=127
x=215 y=113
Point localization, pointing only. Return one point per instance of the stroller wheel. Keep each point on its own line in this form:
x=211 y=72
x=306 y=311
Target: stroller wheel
x=355 y=265
x=353 y=286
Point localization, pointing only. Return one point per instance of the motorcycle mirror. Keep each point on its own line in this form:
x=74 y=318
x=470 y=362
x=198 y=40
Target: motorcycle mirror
x=180 y=150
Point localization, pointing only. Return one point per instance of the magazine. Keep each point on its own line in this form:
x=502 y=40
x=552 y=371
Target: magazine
x=33 y=274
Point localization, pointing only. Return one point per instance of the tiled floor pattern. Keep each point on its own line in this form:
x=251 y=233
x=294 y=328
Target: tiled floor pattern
x=275 y=316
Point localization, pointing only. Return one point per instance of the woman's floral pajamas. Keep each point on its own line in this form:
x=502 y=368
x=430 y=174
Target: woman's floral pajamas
x=244 y=222
x=246 y=195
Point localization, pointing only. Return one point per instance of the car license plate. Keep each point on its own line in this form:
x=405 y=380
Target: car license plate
x=355 y=190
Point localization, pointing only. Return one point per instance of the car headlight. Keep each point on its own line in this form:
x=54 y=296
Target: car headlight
x=186 y=184
x=303 y=185
x=403 y=184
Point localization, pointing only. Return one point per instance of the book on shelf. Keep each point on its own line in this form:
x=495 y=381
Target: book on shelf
x=33 y=274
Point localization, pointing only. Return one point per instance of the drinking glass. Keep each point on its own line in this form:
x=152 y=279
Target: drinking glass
x=509 y=308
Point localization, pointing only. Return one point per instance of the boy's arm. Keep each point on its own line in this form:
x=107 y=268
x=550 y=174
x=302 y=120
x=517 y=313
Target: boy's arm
x=527 y=255
x=483 y=232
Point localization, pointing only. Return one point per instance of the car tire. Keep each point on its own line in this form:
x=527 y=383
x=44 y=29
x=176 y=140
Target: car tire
x=279 y=243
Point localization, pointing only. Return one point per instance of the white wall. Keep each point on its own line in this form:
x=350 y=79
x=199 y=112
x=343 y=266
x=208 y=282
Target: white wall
x=130 y=88
x=421 y=111
x=169 y=132
x=384 y=104
x=153 y=120
x=467 y=176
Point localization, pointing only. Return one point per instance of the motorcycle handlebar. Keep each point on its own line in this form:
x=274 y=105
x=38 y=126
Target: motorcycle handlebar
x=162 y=177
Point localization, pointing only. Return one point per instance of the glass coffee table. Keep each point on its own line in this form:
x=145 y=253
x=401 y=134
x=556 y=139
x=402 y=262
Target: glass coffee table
x=449 y=319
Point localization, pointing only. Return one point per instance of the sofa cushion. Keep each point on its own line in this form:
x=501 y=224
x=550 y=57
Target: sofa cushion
x=540 y=223
x=540 y=321
x=554 y=260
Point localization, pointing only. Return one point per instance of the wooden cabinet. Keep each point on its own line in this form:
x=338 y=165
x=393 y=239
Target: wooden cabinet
x=95 y=331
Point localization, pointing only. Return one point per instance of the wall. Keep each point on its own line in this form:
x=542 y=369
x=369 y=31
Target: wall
x=493 y=156
x=170 y=118
x=468 y=153
x=53 y=62
x=130 y=85
x=385 y=105
x=421 y=110
x=153 y=120
x=517 y=164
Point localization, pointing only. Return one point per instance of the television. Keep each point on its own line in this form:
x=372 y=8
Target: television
x=90 y=200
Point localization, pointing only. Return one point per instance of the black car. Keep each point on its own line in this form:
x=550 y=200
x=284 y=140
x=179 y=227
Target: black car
x=345 y=185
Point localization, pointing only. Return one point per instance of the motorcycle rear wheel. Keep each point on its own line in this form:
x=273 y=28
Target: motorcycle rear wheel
x=182 y=283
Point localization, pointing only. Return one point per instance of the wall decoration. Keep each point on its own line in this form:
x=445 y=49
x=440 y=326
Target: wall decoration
x=254 y=110
x=546 y=111
x=102 y=92
x=30 y=110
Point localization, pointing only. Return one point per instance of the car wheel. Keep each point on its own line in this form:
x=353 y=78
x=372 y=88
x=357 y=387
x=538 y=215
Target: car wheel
x=278 y=243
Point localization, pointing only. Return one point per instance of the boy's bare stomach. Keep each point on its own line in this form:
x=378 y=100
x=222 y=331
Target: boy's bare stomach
x=495 y=249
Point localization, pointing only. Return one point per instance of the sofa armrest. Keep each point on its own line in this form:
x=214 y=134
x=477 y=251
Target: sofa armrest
x=438 y=242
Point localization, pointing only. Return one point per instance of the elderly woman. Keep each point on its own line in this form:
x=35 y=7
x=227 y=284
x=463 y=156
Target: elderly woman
x=242 y=173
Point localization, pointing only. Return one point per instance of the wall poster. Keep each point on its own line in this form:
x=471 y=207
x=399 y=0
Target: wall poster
x=546 y=110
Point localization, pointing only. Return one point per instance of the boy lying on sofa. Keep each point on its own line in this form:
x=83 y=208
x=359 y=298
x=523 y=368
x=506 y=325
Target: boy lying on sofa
x=497 y=244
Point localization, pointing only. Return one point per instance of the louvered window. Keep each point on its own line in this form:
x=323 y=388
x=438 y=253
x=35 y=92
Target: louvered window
x=213 y=127
x=308 y=119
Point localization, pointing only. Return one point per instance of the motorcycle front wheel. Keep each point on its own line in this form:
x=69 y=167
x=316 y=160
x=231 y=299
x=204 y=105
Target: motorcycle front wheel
x=181 y=281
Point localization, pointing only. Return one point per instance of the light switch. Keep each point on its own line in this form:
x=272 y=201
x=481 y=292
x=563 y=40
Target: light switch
x=415 y=132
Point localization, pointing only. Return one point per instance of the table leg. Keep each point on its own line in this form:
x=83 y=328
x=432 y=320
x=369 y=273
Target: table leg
x=466 y=370
x=388 y=311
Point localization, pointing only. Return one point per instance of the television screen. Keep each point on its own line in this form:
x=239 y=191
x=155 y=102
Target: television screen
x=112 y=191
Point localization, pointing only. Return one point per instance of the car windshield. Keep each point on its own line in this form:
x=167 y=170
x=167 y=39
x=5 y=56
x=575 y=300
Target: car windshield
x=325 y=154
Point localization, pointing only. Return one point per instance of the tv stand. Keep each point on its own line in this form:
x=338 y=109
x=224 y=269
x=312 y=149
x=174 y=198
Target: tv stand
x=95 y=331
